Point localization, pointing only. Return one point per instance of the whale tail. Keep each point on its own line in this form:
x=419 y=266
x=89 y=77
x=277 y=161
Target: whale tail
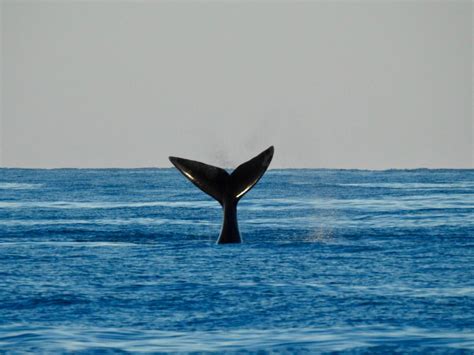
x=226 y=188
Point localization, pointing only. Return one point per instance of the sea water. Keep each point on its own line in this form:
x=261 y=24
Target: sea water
x=122 y=260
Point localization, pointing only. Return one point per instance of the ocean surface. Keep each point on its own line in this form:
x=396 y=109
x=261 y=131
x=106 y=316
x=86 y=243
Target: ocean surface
x=125 y=260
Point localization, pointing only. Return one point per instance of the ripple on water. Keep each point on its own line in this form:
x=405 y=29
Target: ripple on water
x=380 y=337
x=333 y=260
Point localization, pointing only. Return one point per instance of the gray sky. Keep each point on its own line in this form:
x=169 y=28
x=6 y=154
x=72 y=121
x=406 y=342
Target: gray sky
x=331 y=84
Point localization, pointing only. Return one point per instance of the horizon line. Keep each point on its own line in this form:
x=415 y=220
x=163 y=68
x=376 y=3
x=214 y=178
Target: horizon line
x=232 y=168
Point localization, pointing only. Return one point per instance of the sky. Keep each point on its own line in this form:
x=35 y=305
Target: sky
x=331 y=84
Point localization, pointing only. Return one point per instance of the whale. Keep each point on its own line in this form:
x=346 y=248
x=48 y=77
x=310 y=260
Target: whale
x=225 y=188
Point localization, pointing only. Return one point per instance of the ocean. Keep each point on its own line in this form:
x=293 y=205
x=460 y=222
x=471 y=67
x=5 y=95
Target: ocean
x=125 y=260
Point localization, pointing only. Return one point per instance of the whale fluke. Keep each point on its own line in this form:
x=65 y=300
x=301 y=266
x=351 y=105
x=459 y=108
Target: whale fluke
x=226 y=188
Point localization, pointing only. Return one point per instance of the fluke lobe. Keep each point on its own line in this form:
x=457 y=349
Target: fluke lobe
x=226 y=188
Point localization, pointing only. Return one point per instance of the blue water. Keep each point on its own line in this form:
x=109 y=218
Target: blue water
x=332 y=260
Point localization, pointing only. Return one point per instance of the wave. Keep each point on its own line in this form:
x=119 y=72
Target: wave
x=364 y=221
x=423 y=218
x=381 y=204
x=18 y=186
x=384 y=203
x=68 y=244
x=381 y=337
x=101 y=221
x=105 y=205
x=413 y=185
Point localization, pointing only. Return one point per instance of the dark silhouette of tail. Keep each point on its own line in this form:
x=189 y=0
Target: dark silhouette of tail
x=226 y=188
